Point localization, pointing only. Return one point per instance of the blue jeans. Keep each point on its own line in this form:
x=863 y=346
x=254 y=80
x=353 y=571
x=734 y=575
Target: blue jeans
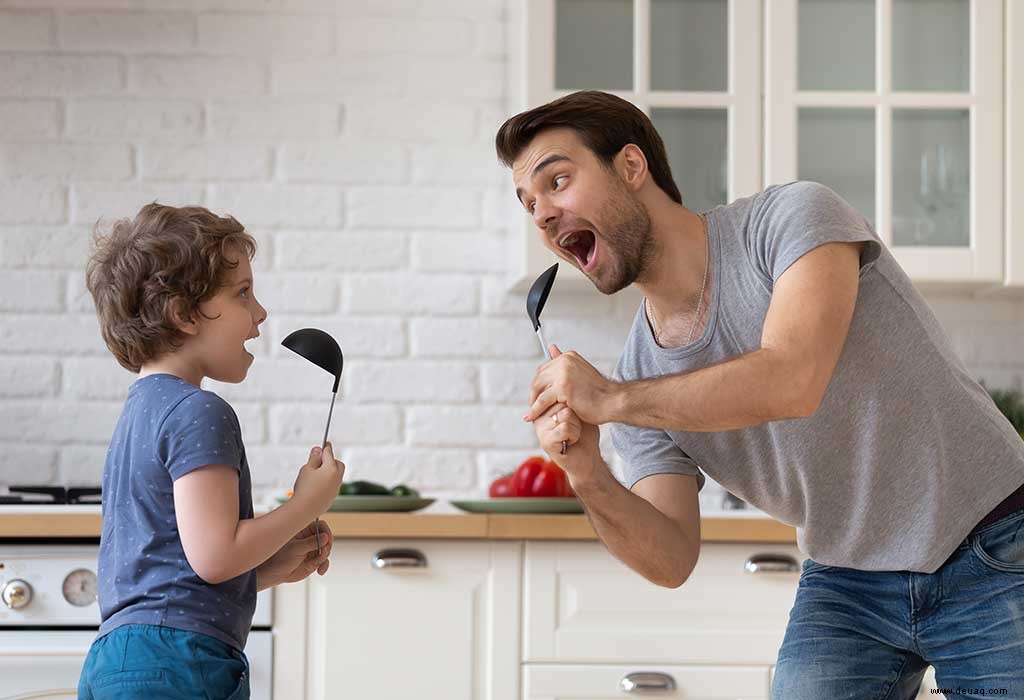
x=147 y=662
x=870 y=635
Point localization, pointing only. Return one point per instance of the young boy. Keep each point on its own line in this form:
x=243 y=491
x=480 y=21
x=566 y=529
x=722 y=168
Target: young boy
x=181 y=555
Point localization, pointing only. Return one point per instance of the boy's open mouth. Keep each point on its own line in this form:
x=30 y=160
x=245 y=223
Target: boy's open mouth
x=582 y=244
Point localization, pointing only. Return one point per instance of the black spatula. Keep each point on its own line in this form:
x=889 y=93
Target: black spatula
x=323 y=351
x=535 y=301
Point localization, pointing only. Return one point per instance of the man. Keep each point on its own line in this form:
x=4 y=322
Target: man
x=781 y=349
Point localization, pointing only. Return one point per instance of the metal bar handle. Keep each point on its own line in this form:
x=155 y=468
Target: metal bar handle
x=768 y=563
x=647 y=682
x=399 y=559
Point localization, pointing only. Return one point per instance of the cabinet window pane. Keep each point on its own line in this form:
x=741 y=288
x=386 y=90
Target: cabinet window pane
x=836 y=49
x=697 y=145
x=837 y=149
x=931 y=177
x=689 y=45
x=594 y=44
x=931 y=45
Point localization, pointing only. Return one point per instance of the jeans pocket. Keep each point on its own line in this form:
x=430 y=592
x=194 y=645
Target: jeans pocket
x=128 y=678
x=1000 y=546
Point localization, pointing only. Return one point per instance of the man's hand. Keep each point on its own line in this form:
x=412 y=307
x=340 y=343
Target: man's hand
x=579 y=462
x=570 y=380
x=298 y=558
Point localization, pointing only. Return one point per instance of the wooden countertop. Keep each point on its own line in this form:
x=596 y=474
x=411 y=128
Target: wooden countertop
x=86 y=523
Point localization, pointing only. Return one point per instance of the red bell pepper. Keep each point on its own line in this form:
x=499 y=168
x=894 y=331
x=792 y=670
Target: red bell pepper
x=540 y=478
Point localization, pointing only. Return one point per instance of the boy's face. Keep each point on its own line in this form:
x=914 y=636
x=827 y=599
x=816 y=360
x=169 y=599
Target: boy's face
x=227 y=320
x=582 y=210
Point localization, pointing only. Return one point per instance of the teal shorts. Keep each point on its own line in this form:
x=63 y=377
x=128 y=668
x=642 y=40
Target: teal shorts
x=162 y=663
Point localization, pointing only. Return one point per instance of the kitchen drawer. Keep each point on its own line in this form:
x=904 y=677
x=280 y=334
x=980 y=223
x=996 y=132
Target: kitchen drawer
x=424 y=619
x=580 y=604
x=569 y=682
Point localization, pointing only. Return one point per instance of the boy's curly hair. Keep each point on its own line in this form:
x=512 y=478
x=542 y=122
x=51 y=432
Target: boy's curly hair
x=165 y=261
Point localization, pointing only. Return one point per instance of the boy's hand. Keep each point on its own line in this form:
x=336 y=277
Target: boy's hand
x=319 y=480
x=298 y=559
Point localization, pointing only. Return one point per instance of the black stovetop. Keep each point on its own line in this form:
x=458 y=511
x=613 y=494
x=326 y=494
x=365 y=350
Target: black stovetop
x=50 y=495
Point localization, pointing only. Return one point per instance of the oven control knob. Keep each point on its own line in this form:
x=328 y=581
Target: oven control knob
x=16 y=594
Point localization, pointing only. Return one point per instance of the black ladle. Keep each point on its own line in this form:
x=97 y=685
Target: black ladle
x=323 y=351
x=535 y=300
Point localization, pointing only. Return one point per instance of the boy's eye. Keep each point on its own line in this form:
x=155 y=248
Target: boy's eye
x=557 y=182
x=244 y=292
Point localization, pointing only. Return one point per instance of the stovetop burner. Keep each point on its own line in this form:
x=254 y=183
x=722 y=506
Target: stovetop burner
x=50 y=495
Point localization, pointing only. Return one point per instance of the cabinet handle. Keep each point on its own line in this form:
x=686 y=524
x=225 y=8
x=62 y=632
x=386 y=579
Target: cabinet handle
x=399 y=559
x=647 y=682
x=771 y=564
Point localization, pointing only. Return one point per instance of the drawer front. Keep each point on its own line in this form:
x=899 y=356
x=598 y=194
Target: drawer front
x=583 y=605
x=568 y=682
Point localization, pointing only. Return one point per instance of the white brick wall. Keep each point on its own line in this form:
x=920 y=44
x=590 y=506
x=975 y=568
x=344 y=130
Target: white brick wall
x=353 y=138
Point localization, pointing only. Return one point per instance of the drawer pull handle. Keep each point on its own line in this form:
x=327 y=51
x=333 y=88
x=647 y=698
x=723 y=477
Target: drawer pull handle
x=647 y=682
x=399 y=559
x=771 y=564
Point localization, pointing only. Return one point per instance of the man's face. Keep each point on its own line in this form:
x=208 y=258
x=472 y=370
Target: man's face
x=582 y=209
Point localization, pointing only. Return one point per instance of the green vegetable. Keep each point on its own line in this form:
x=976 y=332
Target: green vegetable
x=403 y=490
x=363 y=488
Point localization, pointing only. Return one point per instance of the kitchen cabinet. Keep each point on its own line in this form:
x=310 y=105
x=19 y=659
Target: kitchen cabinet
x=566 y=682
x=536 y=620
x=582 y=605
x=898 y=105
x=393 y=620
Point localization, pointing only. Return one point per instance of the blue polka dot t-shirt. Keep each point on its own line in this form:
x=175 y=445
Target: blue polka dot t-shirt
x=167 y=429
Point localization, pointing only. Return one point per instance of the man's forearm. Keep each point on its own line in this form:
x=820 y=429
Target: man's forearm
x=637 y=533
x=747 y=390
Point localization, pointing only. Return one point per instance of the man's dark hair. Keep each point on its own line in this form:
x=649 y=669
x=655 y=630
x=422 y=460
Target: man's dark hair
x=605 y=123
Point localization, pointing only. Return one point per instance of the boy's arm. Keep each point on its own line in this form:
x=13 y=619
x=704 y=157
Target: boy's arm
x=217 y=544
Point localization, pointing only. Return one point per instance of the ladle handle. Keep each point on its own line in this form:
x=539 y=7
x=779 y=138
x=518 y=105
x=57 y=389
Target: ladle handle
x=547 y=354
x=316 y=523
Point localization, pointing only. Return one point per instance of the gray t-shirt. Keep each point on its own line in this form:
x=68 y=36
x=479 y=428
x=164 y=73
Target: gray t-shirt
x=906 y=453
x=167 y=429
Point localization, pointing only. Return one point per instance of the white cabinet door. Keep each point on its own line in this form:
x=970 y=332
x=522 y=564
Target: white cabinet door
x=1015 y=145
x=580 y=604
x=422 y=619
x=566 y=682
x=693 y=67
x=898 y=106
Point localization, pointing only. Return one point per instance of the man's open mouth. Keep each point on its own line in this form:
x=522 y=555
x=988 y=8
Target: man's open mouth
x=582 y=244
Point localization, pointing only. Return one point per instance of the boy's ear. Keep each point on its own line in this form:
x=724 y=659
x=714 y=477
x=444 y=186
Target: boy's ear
x=180 y=318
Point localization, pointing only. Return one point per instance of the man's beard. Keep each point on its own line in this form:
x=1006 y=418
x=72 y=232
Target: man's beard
x=631 y=245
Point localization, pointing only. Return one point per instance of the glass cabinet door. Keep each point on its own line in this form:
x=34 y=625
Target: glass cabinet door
x=694 y=66
x=890 y=104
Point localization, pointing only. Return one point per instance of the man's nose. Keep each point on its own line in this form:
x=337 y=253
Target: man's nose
x=545 y=215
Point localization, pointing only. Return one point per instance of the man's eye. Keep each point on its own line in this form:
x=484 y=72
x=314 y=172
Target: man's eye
x=557 y=182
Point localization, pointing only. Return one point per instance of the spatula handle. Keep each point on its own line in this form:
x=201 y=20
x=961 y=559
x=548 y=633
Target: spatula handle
x=547 y=354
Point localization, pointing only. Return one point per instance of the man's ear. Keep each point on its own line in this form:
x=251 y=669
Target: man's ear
x=631 y=164
x=178 y=314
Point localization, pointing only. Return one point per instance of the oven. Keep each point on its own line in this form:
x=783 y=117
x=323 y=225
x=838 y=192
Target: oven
x=49 y=617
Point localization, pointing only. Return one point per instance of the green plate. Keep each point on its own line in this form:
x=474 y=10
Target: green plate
x=387 y=504
x=520 y=505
